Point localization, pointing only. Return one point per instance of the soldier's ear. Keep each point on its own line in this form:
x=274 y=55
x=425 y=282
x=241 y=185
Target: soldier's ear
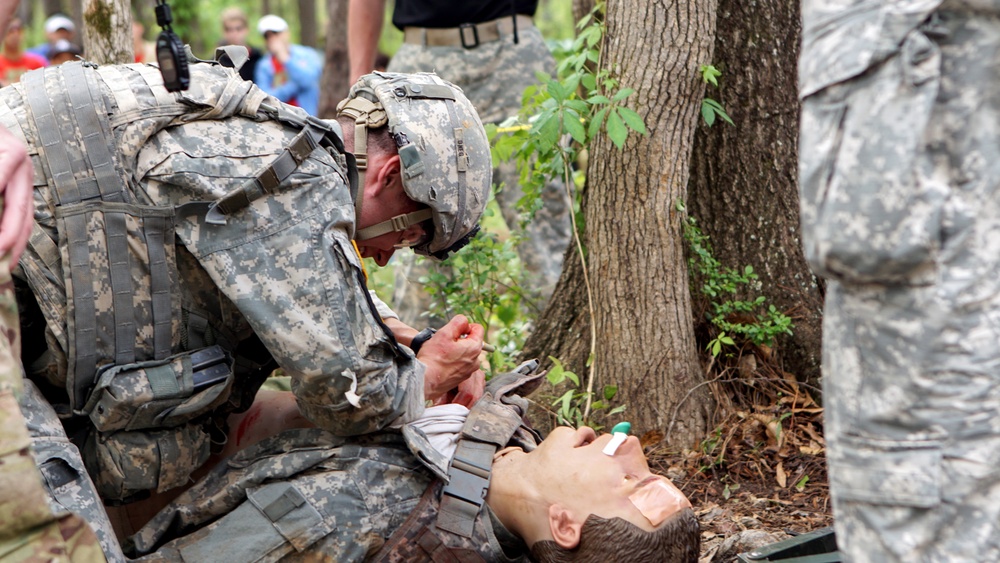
x=390 y=177
x=564 y=526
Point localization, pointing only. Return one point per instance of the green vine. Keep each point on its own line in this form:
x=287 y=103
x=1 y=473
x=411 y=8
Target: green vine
x=581 y=102
x=752 y=320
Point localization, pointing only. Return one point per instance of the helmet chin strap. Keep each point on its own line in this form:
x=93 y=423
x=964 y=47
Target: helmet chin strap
x=366 y=115
x=397 y=223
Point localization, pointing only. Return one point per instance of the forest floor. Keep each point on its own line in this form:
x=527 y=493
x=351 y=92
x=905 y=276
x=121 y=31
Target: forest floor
x=758 y=479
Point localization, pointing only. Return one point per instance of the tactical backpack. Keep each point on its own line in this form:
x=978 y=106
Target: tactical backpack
x=150 y=380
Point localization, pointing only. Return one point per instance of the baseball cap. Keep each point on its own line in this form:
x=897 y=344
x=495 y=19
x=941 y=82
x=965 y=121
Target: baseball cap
x=57 y=22
x=271 y=22
x=63 y=46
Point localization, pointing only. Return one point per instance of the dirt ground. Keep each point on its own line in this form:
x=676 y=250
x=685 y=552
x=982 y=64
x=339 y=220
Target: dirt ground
x=760 y=478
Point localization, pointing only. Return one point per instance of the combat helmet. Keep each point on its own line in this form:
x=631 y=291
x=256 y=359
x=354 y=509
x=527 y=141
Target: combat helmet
x=443 y=150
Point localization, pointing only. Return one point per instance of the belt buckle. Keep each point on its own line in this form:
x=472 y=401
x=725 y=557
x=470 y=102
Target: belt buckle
x=475 y=35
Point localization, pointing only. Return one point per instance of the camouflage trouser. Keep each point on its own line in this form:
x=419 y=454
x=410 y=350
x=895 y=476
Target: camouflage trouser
x=29 y=529
x=493 y=76
x=910 y=356
x=67 y=484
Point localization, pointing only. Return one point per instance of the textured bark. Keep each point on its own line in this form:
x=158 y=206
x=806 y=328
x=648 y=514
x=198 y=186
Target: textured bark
x=336 y=69
x=645 y=338
x=107 y=31
x=307 y=23
x=581 y=8
x=743 y=188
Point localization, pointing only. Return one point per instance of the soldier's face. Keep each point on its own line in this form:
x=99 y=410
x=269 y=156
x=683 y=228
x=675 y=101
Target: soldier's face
x=587 y=481
x=382 y=248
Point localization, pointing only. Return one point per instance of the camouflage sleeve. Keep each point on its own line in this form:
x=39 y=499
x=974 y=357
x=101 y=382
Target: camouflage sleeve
x=288 y=264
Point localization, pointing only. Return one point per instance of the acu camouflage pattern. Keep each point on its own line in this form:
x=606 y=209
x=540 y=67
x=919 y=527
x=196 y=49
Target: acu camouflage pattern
x=494 y=75
x=452 y=169
x=29 y=528
x=900 y=180
x=306 y=495
x=281 y=272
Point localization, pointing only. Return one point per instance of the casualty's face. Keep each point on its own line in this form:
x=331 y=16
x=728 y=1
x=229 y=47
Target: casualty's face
x=588 y=481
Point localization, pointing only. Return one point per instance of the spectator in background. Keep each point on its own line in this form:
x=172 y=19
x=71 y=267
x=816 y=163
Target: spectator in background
x=288 y=72
x=235 y=29
x=145 y=51
x=14 y=61
x=57 y=27
x=63 y=52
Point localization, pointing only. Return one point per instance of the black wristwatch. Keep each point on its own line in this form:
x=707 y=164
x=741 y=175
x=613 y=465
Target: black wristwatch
x=420 y=338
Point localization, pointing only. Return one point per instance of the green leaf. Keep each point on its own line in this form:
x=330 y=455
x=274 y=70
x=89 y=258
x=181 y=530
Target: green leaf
x=548 y=131
x=709 y=74
x=610 y=391
x=596 y=122
x=578 y=106
x=556 y=90
x=633 y=120
x=616 y=129
x=800 y=485
x=556 y=373
x=598 y=99
x=707 y=112
x=589 y=82
x=571 y=121
x=622 y=94
x=573 y=377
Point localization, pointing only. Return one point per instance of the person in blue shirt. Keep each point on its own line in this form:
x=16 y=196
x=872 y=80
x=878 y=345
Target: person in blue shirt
x=288 y=72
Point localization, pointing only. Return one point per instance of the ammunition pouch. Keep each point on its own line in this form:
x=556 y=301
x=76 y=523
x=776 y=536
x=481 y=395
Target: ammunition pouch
x=150 y=420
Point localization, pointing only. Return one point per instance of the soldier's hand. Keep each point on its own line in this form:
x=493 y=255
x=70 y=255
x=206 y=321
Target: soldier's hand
x=16 y=175
x=452 y=357
x=467 y=393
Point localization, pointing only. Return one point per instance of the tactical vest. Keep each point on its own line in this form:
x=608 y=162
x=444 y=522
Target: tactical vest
x=448 y=524
x=102 y=263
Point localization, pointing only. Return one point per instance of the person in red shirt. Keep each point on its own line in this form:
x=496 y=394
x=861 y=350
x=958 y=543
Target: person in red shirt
x=14 y=61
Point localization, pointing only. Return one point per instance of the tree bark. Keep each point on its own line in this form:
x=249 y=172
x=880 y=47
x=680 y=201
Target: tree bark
x=645 y=338
x=336 y=68
x=107 y=31
x=307 y=23
x=743 y=188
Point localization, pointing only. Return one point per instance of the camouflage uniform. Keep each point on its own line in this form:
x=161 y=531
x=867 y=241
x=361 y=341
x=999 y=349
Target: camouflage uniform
x=900 y=179
x=493 y=75
x=306 y=495
x=29 y=529
x=277 y=276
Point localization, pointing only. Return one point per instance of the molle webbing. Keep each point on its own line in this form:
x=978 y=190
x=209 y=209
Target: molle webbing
x=76 y=181
x=88 y=119
x=488 y=428
x=117 y=265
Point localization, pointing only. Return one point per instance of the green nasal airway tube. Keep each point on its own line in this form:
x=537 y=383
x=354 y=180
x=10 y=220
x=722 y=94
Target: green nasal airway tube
x=623 y=427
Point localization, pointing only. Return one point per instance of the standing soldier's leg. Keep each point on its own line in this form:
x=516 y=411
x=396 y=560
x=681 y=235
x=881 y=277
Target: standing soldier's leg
x=493 y=76
x=29 y=530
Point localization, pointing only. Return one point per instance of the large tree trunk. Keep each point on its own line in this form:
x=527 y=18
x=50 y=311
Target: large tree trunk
x=336 y=68
x=743 y=187
x=307 y=23
x=645 y=338
x=107 y=31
